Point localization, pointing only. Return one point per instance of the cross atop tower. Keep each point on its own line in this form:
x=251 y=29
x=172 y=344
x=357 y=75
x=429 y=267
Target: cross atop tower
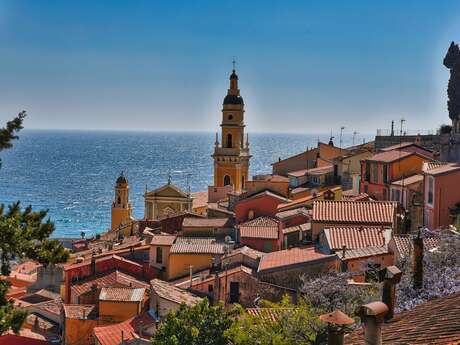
x=234 y=63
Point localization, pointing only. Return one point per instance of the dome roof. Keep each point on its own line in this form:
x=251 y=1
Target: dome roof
x=233 y=99
x=122 y=179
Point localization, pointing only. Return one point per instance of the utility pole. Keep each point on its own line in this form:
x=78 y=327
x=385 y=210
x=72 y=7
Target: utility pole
x=341 y=133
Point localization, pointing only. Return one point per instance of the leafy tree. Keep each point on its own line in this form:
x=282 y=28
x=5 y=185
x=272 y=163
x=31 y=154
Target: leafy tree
x=201 y=324
x=452 y=62
x=23 y=234
x=281 y=323
x=441 y=274
x=333 y=291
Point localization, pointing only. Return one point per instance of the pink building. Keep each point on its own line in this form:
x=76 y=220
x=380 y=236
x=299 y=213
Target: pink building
x=442 y=192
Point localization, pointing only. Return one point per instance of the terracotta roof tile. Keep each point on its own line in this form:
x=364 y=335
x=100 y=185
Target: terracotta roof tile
x=301 y=228
x=408 y=180
x=313 y=171
x=247 y=251
x=288 y=257
x=111 y=279
x=268 y=314
x=366 y=212
x=443 y=169
x=121 y=294
x=401 y=146
x=260 y=227
x=173 y=293
x=195 y=245
x=208 y=222
x=292 y=213
x=13 y=339
x=390 y=156
x=434 y=322
x=199 y=199
x=354 y=237
x=163 y=240
x=404 y=244
x=79 y=311
x=362 y=252
x=358 y=197
x=111 y=335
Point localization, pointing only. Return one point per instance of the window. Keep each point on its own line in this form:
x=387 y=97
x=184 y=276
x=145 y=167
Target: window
x=395 y=195
x=234 y=292
x=251 y=214
x=159 y=255
x=430 y=190
x=229 y=141
x=267 y=246
x=385 y=173
x=227 y=181
x=210 y=288
x=368 y=172
x=230 y=117
x=375 y=173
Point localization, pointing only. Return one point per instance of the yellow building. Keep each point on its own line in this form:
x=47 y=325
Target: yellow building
x=231 y=156
x=166 y=201
x=118 y=304
x=121 y=207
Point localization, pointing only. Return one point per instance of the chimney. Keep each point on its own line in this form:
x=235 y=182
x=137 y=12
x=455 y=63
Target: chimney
x=335 y=326
x=93 y=264
x=372 y=316
x=390 y=276
x=216 y=289
x=418 y=261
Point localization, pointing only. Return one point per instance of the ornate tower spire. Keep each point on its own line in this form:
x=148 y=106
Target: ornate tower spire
x=121 y=207
x=231 y=158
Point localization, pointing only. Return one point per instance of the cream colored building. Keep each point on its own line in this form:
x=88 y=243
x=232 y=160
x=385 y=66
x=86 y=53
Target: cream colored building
x=166 y=201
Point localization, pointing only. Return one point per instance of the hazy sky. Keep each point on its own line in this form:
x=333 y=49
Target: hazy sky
x=164 y=65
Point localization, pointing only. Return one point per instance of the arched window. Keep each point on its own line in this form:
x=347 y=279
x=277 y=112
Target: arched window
x=119 y=200
x=229 y=140
x=251 y=214
x=227 y=181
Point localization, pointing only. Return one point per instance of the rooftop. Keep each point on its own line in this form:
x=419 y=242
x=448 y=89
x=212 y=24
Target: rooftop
x=297 y=228
x=302 y=211
x=207 y=222
x=194 y=245
x=354 y=237
x=362 y=252
x=408 y=180
x=443 y=169
x=111 y=279
x=79 y=311
x=260 y=227
x=290 y=257
x=404 y=244
x=173 y=293
x=390 y=156
x=434 y=322
x=122 y=294
x=199 y=199
x=344 y=211
x=163 y=240
x=313 y=171
x=111 y=335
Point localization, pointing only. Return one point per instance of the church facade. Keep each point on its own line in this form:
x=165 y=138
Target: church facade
x=231 y=155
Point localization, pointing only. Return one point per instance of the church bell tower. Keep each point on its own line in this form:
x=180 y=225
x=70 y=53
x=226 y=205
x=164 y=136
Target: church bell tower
x=231 y=156
x=121 y=207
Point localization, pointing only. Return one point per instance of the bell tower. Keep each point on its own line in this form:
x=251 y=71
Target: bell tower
x=231 y=156
x=121 y=207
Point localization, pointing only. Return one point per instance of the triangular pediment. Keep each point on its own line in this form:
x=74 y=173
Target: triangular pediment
x=168 y=190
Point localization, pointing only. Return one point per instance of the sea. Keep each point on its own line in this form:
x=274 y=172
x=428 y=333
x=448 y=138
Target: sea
x=72 y=173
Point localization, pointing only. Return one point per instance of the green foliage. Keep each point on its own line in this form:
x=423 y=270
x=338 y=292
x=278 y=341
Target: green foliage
x=452 y=62
x=24 y=233
x=201 y=324
x=281 y=323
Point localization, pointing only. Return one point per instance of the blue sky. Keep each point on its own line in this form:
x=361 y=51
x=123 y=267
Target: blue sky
x=304 y=66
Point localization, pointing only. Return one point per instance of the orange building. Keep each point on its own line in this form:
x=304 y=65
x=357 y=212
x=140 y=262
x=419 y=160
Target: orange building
x=79 y=322
x=380 y=170
x=118 y=304
x=231 y=157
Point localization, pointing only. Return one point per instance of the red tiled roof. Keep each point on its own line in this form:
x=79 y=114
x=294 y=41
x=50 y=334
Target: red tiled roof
x=408 y=180
x=288 y=257
x=173 y=293
x=404 y=244
x=247 y=251
x=114 y=278
x=443 y=169
x=208 y=222
x=79 y=311
x=390 y=156
x=270 y=178
x=359 y=253
x=313 y=171
x=260 y=227
x=163 y=240
x=301 y=201
x=268 y=314
x=195 y=245
x=357 y=197
x=122 y=294
x=199 y=199
x=265 y=193
x=111 y=335
x=402 y=146
x=292 y=213
x=354 y=237
x=13 y=339
x=433 y=322
x=365 y=212
x=301 y=228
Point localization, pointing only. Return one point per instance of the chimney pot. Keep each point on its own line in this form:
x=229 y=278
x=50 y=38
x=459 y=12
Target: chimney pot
x=372 y=316
x=390 y=276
